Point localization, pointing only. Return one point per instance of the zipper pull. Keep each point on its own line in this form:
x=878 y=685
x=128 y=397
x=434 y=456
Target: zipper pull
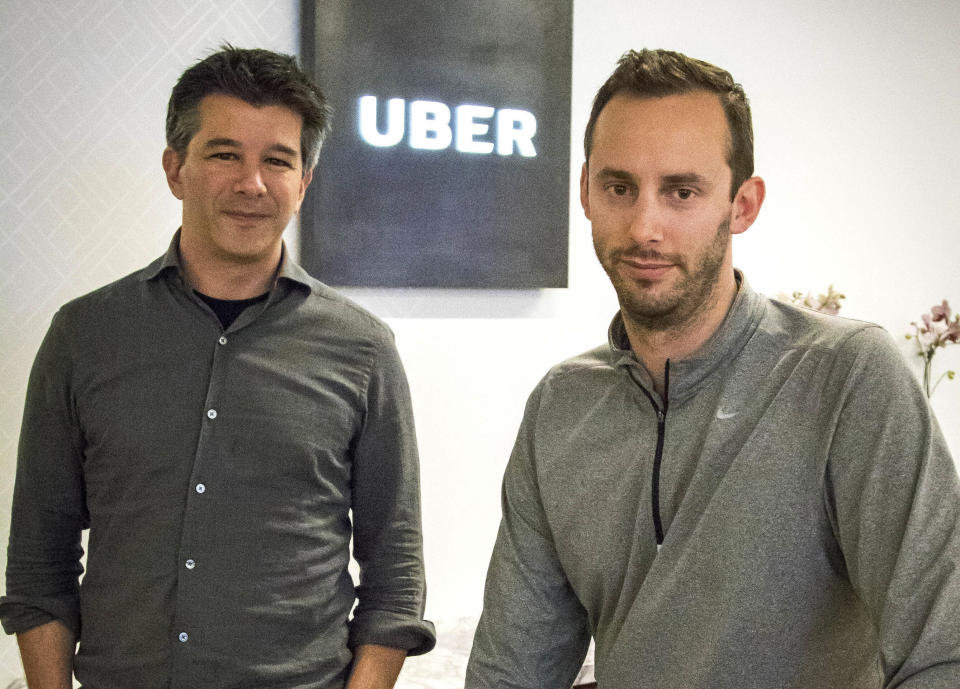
x=660 y=415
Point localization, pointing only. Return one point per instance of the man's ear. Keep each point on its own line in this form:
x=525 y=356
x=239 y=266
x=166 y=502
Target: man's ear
x=746 y=204
x=585 y=190
x=304 y=183
x=172 y=163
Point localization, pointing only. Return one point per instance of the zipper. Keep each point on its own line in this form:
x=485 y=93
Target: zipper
x=658 y=456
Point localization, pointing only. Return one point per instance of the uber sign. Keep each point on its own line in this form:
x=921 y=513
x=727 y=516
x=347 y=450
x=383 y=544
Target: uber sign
x=448 y=163
x=430 y=127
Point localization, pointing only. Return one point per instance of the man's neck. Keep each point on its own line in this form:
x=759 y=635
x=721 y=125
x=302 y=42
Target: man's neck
x=654 y=347
x=230 y=280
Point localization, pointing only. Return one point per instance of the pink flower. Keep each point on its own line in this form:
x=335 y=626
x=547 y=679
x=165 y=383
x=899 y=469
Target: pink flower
x=952 y=333
x=941 y=312
x=938 y=330
x=926 y=339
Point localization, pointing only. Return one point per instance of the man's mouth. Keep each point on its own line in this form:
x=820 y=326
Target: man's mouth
x=646 y=265
x=645 y=268
x=647 y=271
x=246 y=215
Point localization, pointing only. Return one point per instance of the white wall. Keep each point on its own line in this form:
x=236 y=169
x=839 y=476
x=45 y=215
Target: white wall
x=856 y=110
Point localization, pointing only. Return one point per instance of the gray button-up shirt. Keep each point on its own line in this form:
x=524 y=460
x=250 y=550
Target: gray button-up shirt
x=218 y=473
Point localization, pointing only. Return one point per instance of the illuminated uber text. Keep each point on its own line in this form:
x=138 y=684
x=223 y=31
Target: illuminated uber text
x=432 y=126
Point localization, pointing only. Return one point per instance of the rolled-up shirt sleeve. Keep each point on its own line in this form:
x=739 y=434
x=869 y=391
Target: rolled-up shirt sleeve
x=387 y=539
x=49 y=506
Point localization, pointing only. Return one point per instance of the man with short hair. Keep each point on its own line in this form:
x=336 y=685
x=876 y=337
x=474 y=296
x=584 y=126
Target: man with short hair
x=223 y=424
x=733 y=492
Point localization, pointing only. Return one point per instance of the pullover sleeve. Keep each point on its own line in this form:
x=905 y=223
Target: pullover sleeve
x=895 y=499
x=388 y=544
x=49 y=506
x=533 y=631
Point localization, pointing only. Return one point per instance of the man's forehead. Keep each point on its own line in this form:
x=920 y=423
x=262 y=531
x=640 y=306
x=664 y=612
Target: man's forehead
x=682 y=125
x=691 y=110
x=229 y=118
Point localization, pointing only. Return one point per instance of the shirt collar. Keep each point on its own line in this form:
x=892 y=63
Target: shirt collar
x=170 y=262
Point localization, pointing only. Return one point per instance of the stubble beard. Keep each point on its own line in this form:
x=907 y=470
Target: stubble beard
x=692 y=294
x=245 y=245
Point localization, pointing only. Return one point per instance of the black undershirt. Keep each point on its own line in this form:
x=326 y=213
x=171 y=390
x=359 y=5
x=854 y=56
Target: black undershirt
x=227 y=310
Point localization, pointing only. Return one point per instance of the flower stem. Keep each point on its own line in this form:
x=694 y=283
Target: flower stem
x=937 y=384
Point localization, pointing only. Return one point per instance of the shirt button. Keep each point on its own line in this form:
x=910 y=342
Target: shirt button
x=183 y=637
x=190 y=564
x=222 y=340
x=211 y=413
x=201 y=488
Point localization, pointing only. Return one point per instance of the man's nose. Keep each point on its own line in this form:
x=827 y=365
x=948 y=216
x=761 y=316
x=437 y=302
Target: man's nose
x=250 y=181
x=646 y=225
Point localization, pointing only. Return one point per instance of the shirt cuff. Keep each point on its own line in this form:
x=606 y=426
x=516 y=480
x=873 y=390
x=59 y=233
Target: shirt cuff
x=415 y=636
x=18 y=617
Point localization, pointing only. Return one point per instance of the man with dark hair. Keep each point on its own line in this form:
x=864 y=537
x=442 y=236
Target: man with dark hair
x=223 y=424
x=658 y=73
x=733 y=492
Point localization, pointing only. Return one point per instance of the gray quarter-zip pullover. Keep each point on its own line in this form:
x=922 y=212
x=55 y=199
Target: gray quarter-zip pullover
x=809 y=506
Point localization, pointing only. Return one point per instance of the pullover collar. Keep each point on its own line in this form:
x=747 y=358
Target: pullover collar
x=686 y=375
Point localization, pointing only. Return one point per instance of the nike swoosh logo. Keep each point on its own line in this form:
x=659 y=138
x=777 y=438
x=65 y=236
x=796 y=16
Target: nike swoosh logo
x=725 y=414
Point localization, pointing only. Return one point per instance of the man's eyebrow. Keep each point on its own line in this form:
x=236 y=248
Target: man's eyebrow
x=233 y=143
x=282 y=148
x=221 y=141
x=686 y=178
x=612 y=173
x=673 y=180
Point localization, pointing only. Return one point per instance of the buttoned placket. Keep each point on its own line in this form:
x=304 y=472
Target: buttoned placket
x=186 y=634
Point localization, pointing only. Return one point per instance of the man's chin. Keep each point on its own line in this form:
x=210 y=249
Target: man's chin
x=653 y=296
x=246 y=254
x=650 y=319
x=650 y=310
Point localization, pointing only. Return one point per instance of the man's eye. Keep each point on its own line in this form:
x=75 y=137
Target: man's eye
x=224 y=155
x=279 y=161
x=618 y=189
x=684 y=194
